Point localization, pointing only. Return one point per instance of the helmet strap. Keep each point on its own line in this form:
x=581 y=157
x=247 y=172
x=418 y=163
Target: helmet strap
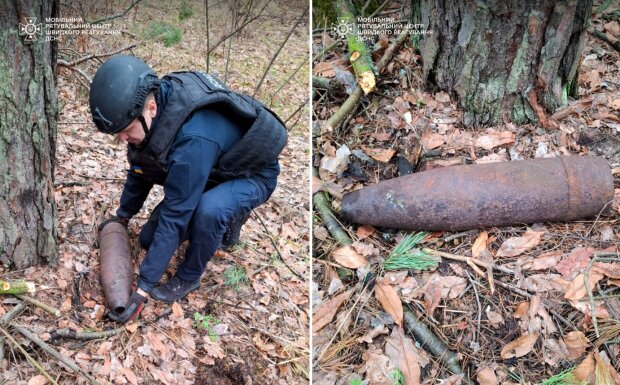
x=144 y=126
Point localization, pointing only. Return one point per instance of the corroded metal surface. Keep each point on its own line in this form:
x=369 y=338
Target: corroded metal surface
x=115 y=264
x=495 y=194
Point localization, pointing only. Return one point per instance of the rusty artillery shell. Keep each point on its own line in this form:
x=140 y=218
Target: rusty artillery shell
x=115 y=264
x=494 y=194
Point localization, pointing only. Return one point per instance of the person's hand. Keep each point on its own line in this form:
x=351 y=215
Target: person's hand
x=122 y=220
x=137 y=300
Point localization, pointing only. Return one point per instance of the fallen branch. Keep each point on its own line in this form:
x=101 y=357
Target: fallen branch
x=13 y=313
x=433 y=344
x=94 y=56
x=68 y=333
x=35 y=302
x=54 y=353
x=359 y=57
x=349 y=105
x=322 y=205
x=603 y=37
x=28 y=357
x=16 y=287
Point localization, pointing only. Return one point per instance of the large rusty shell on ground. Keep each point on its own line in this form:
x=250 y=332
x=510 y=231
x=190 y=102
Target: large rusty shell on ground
x=116 y=267
x=495 y=194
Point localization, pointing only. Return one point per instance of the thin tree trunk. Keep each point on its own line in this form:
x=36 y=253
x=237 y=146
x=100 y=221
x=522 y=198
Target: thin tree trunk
x=28 y=110
x=492 y=55
x=208 y=34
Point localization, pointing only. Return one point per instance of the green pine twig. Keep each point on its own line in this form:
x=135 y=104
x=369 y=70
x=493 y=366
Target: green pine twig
x=406 y=256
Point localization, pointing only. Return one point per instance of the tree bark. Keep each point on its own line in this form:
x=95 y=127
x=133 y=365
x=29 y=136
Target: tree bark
x=28 y=109
x=492 y=54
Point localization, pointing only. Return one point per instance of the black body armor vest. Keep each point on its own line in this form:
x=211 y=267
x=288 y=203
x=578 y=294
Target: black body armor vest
x=263 y=133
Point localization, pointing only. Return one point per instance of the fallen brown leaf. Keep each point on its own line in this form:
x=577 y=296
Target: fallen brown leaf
x=347 y=256
x=576 y=343
x=486 y=376
x=522 y=309
x=365 y=231
x=519 y=347
x=480 y=244
x=495 y=139
x=518 y=245
x=431 y=140
x=402 y=350
x=326 y=312
x=38 y=380
x=389 y=299
x=577 y=288
x=574 y=262
x=381 y=154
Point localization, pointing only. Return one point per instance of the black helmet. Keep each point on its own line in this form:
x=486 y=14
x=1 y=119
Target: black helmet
x=118 y=92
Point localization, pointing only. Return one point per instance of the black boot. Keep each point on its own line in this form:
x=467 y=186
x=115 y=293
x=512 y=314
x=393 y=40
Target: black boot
x=231 y=236
x=174 y=289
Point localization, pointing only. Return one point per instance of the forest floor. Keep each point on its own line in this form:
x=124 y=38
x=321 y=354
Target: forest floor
x=523 y=322
x=249 y=322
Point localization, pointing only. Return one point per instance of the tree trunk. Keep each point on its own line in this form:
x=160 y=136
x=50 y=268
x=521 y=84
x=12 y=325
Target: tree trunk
x=503 y=60
x=28 y=110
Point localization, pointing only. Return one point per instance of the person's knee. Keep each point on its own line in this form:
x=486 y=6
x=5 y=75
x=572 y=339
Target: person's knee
x=211 y=217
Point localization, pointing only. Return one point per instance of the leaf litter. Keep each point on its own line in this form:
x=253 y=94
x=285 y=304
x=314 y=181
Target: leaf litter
x=258 y=332
x=536 y=326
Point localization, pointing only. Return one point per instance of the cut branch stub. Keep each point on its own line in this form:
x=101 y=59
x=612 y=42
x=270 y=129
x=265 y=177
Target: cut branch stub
x=360 y=58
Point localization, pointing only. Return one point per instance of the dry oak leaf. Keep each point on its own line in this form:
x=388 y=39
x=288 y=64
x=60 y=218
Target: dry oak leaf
x=518 y=245
x=324 y=314
x=486 y=376
x=401 y=349
x=38 y=380
x=365 y=231
x=347 y=256
x=542 y=262
x=576 y=343
x=577 y=288
x=494 y=318
x=596 y=370
x=522 y=309
x=431 y=140
x=389 y=299
x=519 y=347
x=480 y=244
x=381 y=154
x=575 y=262
x=495 y=139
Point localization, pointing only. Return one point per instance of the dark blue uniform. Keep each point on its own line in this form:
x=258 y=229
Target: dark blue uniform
x=190 y=210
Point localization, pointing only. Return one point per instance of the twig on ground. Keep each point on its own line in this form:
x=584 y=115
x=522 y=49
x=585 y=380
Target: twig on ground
x=473 y=284
x=478 y=262
x=68 y=333
x=597 y=257
x=95 y=56
x=63 y=63
x=28 y=356
x=54 y=353
x=349 y=105
x=37 y=303
x=13 y=313
x=277 y=249
x=433 y=344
